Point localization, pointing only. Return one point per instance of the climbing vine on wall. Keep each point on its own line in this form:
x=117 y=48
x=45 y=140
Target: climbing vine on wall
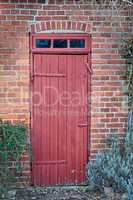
x=13 y=143
x=127 y=53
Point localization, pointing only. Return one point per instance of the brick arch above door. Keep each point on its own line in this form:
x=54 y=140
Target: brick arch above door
x=59 y=25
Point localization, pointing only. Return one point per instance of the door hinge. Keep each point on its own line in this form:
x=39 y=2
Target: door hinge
x=89 y=68
x=32 y=78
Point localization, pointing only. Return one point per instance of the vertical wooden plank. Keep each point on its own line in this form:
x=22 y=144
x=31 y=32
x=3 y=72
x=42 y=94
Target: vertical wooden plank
x=73 y=116
x=79 y=143
x=78 y=137
x=87 y=117
x=54 y=118
x=79 y=131
x=68 y=122
x=82 y=132
x=70 y=130
x=45 y=122
x=37 y=118
x=62 y=135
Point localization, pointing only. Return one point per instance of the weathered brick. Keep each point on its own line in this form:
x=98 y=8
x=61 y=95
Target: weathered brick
x=108 y=102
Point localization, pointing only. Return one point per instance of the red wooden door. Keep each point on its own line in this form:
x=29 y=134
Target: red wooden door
x=60 y=141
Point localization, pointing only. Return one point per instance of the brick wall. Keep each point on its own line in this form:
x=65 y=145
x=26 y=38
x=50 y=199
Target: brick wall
x=108 y=102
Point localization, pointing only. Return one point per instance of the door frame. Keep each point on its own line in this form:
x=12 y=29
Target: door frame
x=77 y=51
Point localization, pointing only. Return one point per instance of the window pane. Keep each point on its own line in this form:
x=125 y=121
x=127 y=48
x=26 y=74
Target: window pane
x=41 y=1
x=42 y=43
x=77 y=43
x=60 y=43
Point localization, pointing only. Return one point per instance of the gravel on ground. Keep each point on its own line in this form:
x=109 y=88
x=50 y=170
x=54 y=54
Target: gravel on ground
x=62 y=193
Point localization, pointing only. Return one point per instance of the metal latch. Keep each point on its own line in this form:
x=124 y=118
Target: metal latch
x=89 y=68
x=83 y=125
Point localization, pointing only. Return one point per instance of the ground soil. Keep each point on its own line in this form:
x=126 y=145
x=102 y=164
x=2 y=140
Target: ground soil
x=61 y=193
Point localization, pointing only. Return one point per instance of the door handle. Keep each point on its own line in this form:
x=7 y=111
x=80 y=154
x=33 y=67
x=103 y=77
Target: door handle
x=83 y=125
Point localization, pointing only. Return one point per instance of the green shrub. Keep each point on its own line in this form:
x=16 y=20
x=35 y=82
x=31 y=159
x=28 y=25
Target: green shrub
x=114 y=167
x=104 y=171
x=13 y=142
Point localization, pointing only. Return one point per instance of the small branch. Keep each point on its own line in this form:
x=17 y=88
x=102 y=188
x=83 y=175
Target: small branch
x=129 y=2
x=130 y=77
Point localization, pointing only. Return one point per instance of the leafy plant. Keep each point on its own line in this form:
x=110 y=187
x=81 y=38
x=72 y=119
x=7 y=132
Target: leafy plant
x=114 y=167
x=127 y=53
x=13 y=142
x=106 y=165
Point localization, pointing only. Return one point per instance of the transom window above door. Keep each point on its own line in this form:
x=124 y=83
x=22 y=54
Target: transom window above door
x=60 y=42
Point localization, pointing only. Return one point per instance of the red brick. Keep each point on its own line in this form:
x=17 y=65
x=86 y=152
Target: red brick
x=108 y=109
x=4 y=6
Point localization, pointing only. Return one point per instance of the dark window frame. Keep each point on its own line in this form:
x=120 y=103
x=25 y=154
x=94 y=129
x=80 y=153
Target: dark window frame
x=77 y=43
x=68 y=36
x=57 y=43
x=41 y=45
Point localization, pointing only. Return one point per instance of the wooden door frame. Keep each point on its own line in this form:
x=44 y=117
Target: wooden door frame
x=86 y=51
